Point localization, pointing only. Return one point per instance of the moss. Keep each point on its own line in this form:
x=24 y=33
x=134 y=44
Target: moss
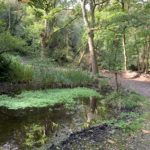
x=45 y=98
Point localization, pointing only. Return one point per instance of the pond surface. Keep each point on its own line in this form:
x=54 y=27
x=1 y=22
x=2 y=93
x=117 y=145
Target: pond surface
x=31 y=129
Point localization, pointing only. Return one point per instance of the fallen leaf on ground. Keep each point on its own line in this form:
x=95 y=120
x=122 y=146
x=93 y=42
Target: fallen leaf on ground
x=111 y=141
x=146 y=131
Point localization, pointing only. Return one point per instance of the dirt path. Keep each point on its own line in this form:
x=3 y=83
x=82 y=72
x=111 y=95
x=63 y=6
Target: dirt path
x=102 y=137
x=132 y=81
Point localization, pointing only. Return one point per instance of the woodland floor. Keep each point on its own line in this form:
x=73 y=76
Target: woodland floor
x=139 y=83
x=100 y=138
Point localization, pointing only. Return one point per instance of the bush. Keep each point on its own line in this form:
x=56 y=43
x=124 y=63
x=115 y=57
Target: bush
x=123 y=100
x=10 y=43
x=4 y=68
x=11 y=69
x=20 y=72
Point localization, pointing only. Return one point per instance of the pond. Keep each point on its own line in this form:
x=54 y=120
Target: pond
x=36 y=128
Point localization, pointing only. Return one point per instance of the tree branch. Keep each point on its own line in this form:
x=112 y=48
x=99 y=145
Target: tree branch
x=84 y=13
x=67 y=24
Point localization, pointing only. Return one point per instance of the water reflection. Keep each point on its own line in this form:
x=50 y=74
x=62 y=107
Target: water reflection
x=91 y=111
x=34 y=128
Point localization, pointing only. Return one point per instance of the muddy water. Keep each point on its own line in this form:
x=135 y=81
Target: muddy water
x=30 y=129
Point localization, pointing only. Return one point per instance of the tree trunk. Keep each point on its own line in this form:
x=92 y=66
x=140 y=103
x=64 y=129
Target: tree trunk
x=93 y=104
x=116 y=81
x=143 y=59
x=81 y=57
x=123 y=3
x=147 y=55
x=124 y=51
x=9 y=17
x=44 y=39
x=93 y=60
x=92 y=53
x=138 y=60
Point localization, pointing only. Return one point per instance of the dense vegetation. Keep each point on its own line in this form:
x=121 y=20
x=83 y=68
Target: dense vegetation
x=66 y=44
x=33 y=29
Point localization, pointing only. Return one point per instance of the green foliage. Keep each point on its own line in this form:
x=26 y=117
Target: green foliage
x=19 y=71
x=10 y=43
x=63 y=76
x=34 y=136
x=42 y=63
x=30 y=31
x=121 y=100
x=47 y=71
x=129 y=122
x=41 y=71
x=11 y=69
x=4 y=68
x=38 y=99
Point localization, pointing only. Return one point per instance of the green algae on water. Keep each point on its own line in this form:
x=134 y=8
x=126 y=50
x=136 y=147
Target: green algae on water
x=44 y=98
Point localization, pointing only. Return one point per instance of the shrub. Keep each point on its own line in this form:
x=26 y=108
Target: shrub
x=10 y=43
x=122 y=100
x=4 y=68
x=20 y=72
x=11 y=69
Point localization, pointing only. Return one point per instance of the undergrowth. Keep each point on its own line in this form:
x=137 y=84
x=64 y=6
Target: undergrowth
x=63 y=76
x=125 y=110
x=124 y=100
x=13 y=69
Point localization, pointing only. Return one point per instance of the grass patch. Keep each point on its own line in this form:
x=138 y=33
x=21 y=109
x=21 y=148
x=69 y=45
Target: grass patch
x=51 y=97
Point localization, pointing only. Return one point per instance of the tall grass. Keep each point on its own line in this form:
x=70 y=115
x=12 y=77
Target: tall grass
x=13 y=70
x=63 y=76
x=20 y=72
x=46 y=72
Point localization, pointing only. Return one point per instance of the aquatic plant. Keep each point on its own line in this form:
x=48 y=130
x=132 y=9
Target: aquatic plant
x=34 y=136
x=43 y=98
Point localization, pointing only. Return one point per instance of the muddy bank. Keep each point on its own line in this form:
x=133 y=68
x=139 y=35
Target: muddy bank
x=16 y=88
x=91 y=138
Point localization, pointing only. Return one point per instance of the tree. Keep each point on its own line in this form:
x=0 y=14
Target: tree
x=88 y=11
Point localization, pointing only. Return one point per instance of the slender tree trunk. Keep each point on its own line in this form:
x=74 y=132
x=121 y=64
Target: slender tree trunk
x=147 y=55
x=124 y=51
x=81 y=57
x=123 y=3
x=90 y=34
x=44 y=39
x=9 y=17
x=138 y=60
x=116 y=81
x=92 y=53
x=93 y=104
x=143 y=59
